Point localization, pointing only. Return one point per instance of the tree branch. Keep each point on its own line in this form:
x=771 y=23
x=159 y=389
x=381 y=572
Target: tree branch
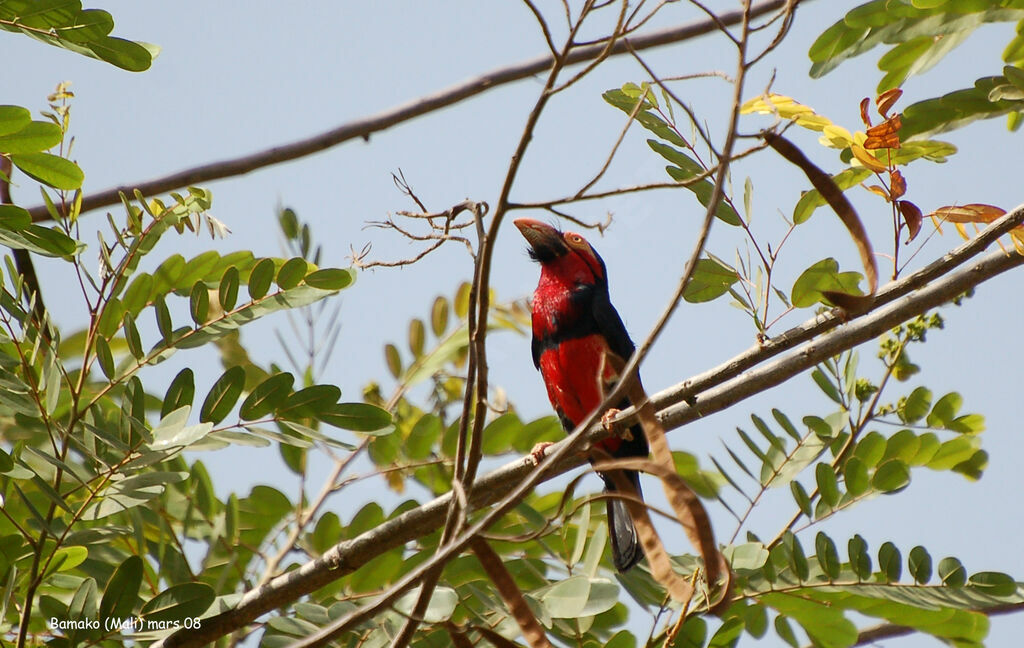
x=363 y=128
x=349 y=555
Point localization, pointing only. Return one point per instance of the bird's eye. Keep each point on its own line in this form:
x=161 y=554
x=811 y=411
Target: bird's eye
x=576 y=238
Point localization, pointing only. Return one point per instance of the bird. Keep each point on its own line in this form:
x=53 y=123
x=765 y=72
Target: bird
x=578 y=341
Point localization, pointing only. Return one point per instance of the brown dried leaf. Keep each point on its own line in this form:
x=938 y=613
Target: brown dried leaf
x=886 y=100
x=897 y=184
x=911 y=216
x=885 y=135
x=864 y=116
x=531 y=628
x=836 y=199
x=879 y=190
x=970 y=213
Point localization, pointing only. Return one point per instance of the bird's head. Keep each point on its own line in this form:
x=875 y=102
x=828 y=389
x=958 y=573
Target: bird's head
x=565 y=255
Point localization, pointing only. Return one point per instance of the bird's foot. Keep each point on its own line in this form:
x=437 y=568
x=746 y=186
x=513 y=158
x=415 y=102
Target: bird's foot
x=608 y=419
x=537 y=454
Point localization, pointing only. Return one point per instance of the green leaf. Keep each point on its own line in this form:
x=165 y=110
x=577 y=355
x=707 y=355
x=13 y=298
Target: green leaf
x=359 y=417
x=38 y=238
x=260 y=278
x=800 y=496
x=828 y=486
x=179 y=602
x=417 y=336
x=50 y=170
x=199 y=303
x=785 y=631
x=13 y=119
x=945 y=410
x=827 y=555
x=860 y=560
x=132 y=337
x=331 y=278
x=728 y=634
x=750 y=555
x=122 y=590
x=920 y=564
x=953 y=452
x=125 y=54
x=34 y=137
x=710 y=280
x=812 y=200
x=824 y=624
x=310 y=402
x=438 y=315
x=291 y=273
x=890 y=562
x=823 y=276
x=891 y=476
x=566 y=599
x=104 y=357
x=66 y=559
x=684 y=170
x=916 y=405
x=267 y=396
x=994 y=583
x=171 y=432
x=826 y=385
x=952 y=573
x=442 y=603
x=180 y=393
x=13 y=218
x=228 y=290
x=870 y=449
x=223 y=395
x=627 y=103
x=163 y=319
x=855 y=476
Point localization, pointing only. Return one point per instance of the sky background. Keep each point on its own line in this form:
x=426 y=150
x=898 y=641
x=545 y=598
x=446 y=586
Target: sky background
x=234 y=78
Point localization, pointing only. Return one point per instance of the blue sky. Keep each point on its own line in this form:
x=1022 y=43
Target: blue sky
x=234 y=78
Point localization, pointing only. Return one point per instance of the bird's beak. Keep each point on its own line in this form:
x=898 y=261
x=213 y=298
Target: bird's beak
x=545 y=241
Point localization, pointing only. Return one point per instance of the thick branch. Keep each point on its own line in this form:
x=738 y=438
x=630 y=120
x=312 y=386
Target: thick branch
x=363 y=128
x=352 y=554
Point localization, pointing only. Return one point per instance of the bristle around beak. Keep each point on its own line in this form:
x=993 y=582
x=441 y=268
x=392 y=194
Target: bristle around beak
x=546 y=243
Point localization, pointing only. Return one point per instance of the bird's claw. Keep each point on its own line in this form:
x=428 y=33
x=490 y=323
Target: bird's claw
x=608 y=420
x=537 y=454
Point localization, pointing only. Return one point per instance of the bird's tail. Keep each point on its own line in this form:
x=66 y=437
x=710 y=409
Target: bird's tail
x=626 y=549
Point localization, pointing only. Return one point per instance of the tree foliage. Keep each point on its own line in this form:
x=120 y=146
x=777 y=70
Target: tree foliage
x=110 y=532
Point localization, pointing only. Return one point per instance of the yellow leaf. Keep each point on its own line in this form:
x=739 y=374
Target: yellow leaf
x=835 y=136
x=867 y=160
x=813 y=121
x=786 y=108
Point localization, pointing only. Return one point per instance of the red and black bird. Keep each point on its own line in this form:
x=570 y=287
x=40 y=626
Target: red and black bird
x=575 y=331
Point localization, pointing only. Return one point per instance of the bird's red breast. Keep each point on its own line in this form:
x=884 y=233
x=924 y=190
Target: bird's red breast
x=577 y=374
